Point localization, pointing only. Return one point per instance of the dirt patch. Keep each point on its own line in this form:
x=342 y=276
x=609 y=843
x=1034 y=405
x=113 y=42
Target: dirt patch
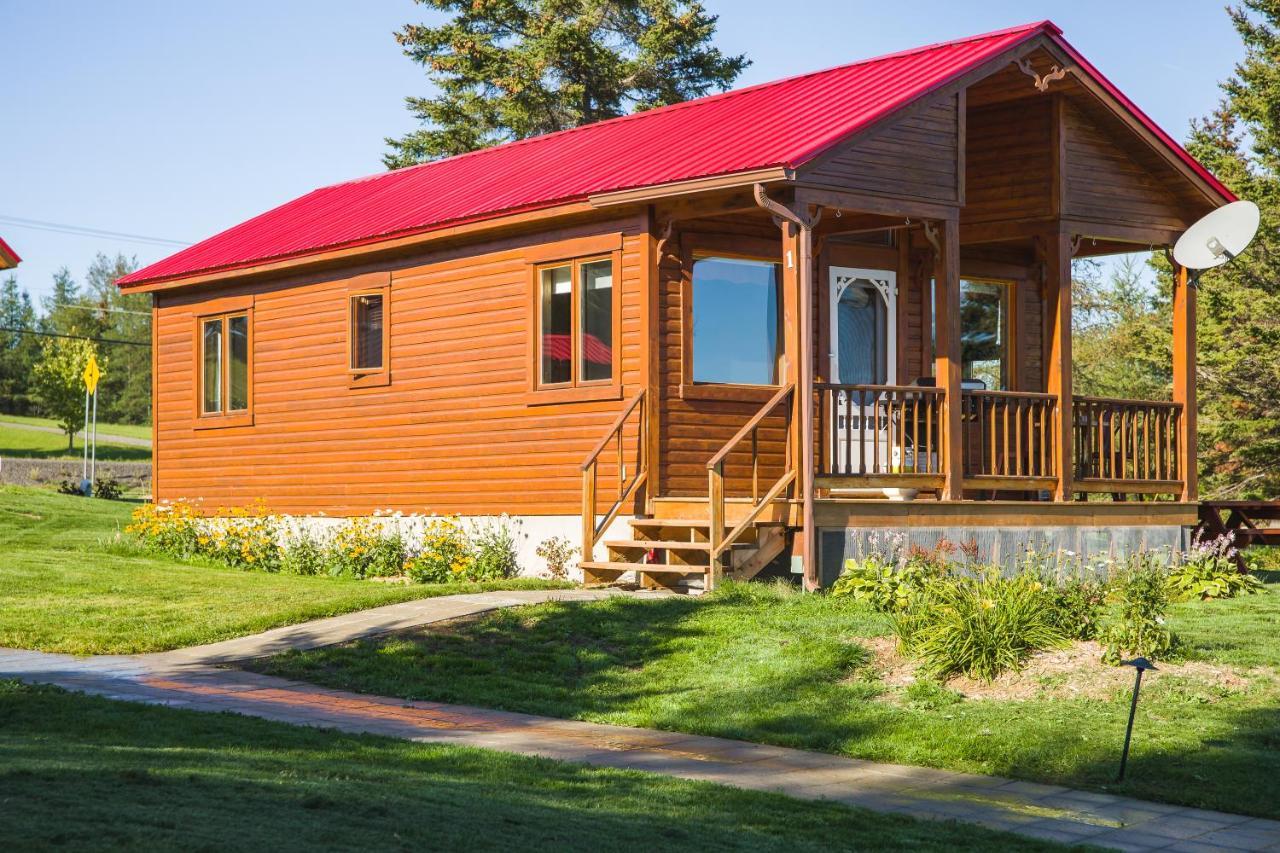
x=1074 y=672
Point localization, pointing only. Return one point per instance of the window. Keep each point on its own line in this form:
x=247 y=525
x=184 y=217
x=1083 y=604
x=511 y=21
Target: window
x=575 y=323
x=862 y=334
x=984 y=331
x=225 y=384
x=368 y=338
x=736 y=314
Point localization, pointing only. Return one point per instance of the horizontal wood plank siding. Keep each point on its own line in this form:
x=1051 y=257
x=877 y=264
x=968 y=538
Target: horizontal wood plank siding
x=1110 y=178
x=1008 y=162
x=915 y=157
x=453 y=431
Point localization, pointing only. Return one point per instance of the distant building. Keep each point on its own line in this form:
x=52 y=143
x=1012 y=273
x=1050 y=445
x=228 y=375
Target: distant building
x=8 y=257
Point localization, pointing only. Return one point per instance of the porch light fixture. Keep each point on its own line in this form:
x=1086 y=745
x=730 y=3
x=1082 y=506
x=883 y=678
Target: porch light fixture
x=1217 y=238
x=1141 y=665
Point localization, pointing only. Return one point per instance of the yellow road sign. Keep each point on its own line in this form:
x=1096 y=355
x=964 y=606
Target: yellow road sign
x=92 y=373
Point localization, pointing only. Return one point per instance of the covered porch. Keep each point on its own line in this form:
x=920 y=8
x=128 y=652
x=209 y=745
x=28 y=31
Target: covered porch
x=883 y=339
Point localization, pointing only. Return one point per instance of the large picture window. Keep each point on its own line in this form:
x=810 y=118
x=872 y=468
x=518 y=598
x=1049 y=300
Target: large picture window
x=575 y=323
x=984 y=331
x=225 y=365
x=736 y=329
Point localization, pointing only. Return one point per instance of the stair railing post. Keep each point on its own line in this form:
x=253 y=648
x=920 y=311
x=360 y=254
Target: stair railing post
x=715 y=519
x=589 y=512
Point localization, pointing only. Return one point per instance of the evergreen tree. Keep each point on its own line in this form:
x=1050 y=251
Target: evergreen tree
x=1121 y=333
x=18 y=351
x=511 y=69
x=1239 y=304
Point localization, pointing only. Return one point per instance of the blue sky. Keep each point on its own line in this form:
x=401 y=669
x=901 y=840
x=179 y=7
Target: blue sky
x=176 y=120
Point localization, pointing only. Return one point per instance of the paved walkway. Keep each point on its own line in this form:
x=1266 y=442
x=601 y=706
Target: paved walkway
x=190 y=678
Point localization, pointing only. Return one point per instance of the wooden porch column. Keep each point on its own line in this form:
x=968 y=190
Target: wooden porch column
x=1057 y=312
x=1184 y=378
x=947 y=356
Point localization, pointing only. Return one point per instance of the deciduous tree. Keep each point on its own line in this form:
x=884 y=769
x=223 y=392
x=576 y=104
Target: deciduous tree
x=57 y=383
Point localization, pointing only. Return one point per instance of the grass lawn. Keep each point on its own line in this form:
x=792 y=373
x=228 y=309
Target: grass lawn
x=28 y=443
x=67 y=585
x=82 y=773
x=789 y=669
x=129 y=430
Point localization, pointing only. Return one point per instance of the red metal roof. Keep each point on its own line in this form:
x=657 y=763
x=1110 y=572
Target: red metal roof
x=780 y=124
x=8 y=257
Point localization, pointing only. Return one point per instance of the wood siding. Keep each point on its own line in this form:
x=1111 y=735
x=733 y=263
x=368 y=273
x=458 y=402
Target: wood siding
x=453 y=432
x=1008 y=162
x=1111 y=177
x=915 y=157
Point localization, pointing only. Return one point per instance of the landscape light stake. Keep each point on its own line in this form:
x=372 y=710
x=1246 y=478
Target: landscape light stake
x=1140 y=665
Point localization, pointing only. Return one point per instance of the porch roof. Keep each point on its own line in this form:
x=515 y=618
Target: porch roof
x=783 y=124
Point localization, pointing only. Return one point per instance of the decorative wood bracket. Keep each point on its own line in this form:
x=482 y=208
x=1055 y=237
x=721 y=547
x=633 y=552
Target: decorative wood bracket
x=931 y=234
x=1042 y=81
x=661 y=247
x=1075 y=244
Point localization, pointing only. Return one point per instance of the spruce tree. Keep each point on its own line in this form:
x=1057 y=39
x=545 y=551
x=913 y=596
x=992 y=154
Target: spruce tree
x=511 y=69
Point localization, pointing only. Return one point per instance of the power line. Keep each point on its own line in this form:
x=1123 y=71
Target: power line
x=100 y=308
x=84 y=231
x=74 y=337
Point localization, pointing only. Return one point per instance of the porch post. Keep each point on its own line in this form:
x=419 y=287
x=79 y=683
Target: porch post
x=1057 y=305
x=1184 y=378
x=797 y=277
x=947 y=356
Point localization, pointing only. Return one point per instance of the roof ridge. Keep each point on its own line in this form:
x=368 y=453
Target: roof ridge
x=1030 y=27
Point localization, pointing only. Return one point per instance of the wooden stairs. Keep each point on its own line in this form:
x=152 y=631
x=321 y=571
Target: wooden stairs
x=673 y=551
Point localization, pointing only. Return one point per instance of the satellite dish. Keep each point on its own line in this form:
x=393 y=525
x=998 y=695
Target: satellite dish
x=1218 y=236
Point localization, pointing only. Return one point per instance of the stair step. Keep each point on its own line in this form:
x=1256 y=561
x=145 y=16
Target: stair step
x=651 y=568
x=662 y=544
x=693 y=522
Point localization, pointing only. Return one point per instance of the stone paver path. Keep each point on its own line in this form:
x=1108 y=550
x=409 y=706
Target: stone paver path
x=191 y=679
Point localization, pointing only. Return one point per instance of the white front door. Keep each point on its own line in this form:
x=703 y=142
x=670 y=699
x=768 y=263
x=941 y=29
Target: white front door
x=864 y=326
x=864 y=329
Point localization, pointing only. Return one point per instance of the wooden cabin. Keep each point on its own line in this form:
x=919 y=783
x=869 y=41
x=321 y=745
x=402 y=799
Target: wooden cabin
x=8 y=257
x=702 y=339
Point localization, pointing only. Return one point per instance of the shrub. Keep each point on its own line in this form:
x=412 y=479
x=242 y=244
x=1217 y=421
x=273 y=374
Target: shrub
x=558 y=552
x=1141 y=591
x=887 y=581
x=171 y=528
x=979 y=625
x=495 y=556
x=446 y=553
x=107 y=488
x=242 y=537
x=1209 y=571
x=1076 y=607
x=69 y=486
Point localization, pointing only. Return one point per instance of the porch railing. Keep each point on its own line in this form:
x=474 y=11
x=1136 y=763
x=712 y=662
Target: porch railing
x=1009 y=439
x=719 y=540
x=1126 y=446
x=626 y=483
x=878 y=436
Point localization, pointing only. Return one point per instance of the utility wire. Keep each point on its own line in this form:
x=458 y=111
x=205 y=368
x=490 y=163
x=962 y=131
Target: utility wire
x=74 y=337
x=101 y=308
x=84 y=231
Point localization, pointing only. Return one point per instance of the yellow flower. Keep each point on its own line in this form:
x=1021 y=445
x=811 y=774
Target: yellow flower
x=987 y=604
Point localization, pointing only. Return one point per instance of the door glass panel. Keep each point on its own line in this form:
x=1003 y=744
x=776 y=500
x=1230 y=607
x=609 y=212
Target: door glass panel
x=862 y=320
x=596 y=345
x=557 y=325
x=211 y=373
x=735 y=321
x=238 y=365
x=983 y=324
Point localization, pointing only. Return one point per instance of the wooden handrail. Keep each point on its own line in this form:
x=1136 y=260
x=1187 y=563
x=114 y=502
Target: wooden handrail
x=720 y=541
x=591 y=528
x=765 y=410
x=873 y=432
x=1120 y=401
x=1128 y=446
x=1009 y=436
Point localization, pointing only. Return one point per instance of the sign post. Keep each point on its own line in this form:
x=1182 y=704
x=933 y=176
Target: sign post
x=92 y=373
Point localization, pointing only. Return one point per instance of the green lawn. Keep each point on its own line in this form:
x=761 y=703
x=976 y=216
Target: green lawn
x=68 y=584
x=84 y=773
x=28 y=443
x=128 y=430
x=788 y=669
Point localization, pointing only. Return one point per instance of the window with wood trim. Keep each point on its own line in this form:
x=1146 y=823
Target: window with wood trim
x=226 y=364
x=575 y=323
x=368 y=332
x=985 y=331
x=736 y=314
